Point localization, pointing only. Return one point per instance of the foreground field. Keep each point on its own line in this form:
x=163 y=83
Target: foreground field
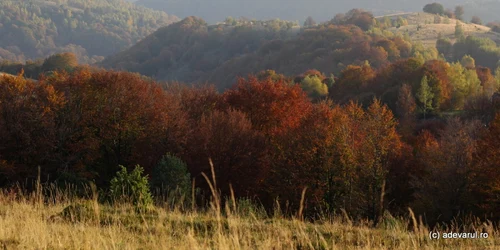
x=85 y=224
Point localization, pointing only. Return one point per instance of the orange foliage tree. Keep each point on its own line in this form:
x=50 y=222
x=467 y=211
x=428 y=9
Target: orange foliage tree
x=366 y=141
x=28 y=121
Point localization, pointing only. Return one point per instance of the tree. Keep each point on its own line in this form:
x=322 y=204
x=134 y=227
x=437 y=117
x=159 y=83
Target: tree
x=434 y=8
x=449 y=13
x=169 y=174
x=64 y=61
x=272 y=107
x=487 y=80
x=468 y=62
x=302 y=158
x=459 y=31
x=352 y=81
x=444 y=47
x=361 y=18
x=28 y=127
x=447 y=164
x=314 y=87
x=131 y=187
x=309 y=22
x=425 y=96
x=406 y=107
x=435 y=70
x=237 y=150
x=486 y=184
x=112 y=119
x=382 y=143
x=497 y=79
x=456 y=74
x=476 y=20
x=459 y=12
x=365 y=142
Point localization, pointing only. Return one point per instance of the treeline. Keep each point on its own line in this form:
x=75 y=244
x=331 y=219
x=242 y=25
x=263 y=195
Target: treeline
x=459 y=86
x=484 y=50
x=89 y=29
x=266 y=138
x=191 y=51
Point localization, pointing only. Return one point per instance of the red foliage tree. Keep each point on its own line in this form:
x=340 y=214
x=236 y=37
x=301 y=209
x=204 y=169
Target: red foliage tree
x=109 y=119
x=353 y=81
x=302 y=158
x=486 y=184
x=272 y=107
x=237 y=151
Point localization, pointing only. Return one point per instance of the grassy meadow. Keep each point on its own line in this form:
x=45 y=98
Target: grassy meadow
x=61 y=221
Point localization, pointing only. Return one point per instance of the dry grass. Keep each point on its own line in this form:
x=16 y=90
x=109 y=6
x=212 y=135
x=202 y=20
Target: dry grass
x=27 y=224
x=421 y=27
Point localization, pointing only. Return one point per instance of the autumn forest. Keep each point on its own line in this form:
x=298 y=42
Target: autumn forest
x=351 y=116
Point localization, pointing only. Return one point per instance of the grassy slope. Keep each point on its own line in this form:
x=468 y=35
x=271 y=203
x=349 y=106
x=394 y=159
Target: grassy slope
x=428 y=32
x=26 y=225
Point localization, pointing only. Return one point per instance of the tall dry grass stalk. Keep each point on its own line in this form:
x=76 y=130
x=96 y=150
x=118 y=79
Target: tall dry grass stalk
x=300 y=214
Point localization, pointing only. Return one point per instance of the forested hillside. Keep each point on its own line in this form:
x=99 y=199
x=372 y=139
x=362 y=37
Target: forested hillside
x=31 y=29
x=192 y=51
x=268 y=138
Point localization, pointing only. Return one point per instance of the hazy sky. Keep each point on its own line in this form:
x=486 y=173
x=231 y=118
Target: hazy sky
x=321 y=10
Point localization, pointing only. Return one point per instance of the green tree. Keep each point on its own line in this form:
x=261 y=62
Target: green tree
x=425 y=96
x=434 y=8
x=459 y=31
x=473 y=86
x=171 y=173
x=465 y=82
x=314 y=87
x=468 y=62
x=64 y=61
x=132 y=187
x=444 y=47
x=457 y=78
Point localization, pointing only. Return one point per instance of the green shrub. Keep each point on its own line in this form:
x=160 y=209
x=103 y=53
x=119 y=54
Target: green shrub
x=131 y=187
x=170 y=174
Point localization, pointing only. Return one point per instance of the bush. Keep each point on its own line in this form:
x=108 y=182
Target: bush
x=476 y=20
x=171 y=173
x=132 y=187
x=434 y=8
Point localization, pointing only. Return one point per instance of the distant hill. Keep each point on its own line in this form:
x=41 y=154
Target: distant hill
x=322 y=10
x=31 y=29
x=193 y=51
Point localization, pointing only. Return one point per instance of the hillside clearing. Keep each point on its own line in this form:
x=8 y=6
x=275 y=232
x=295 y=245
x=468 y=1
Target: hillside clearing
x=424 y=28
